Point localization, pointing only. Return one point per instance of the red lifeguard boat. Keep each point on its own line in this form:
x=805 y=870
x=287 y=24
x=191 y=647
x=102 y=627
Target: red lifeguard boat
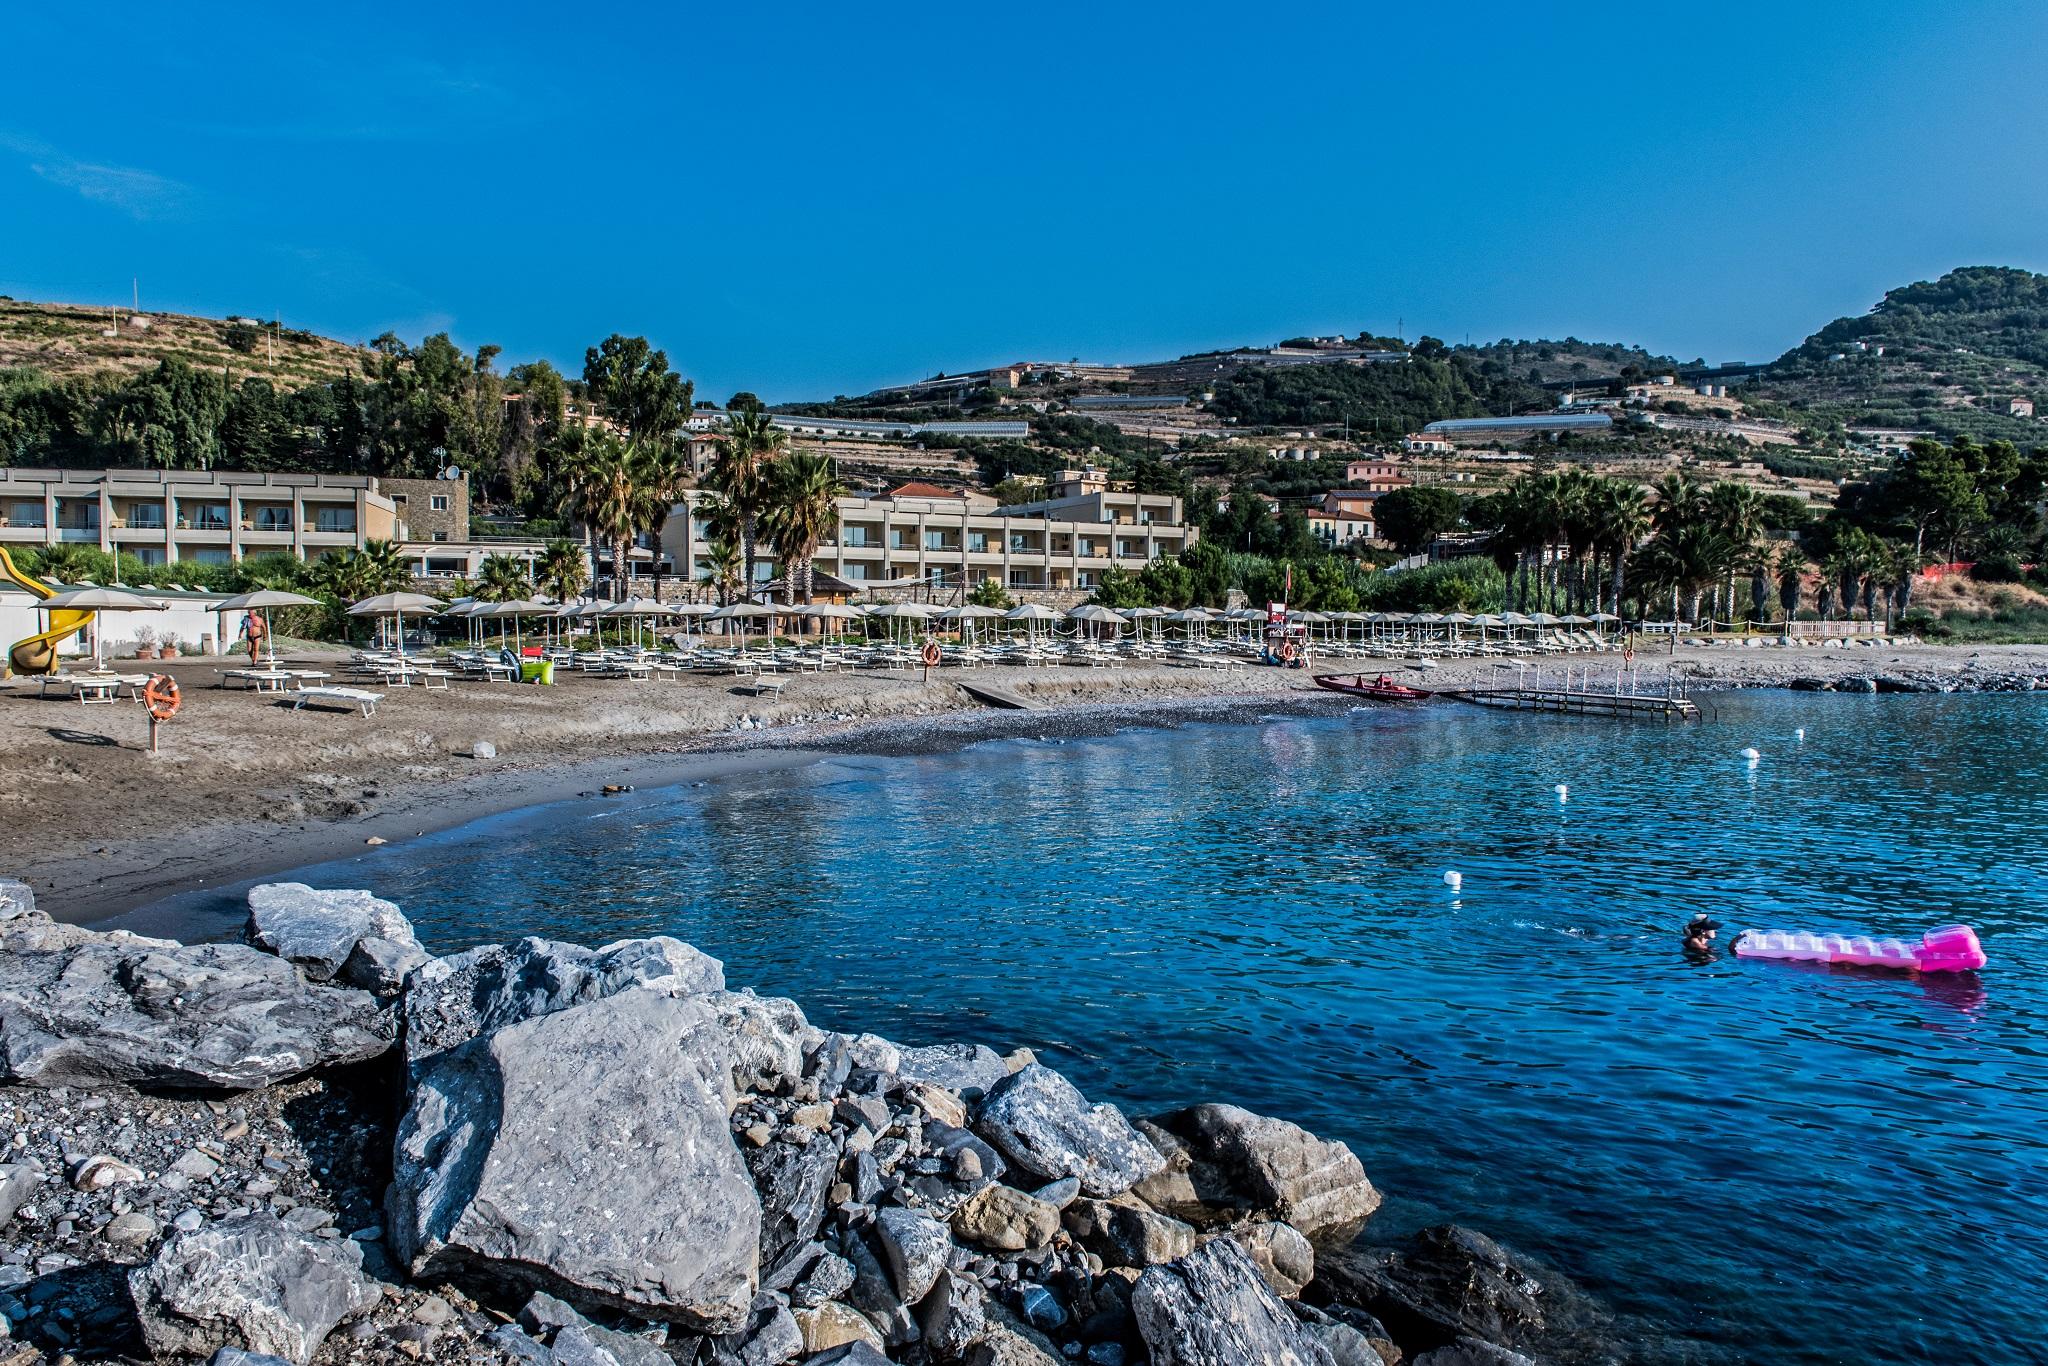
x=1380 y=689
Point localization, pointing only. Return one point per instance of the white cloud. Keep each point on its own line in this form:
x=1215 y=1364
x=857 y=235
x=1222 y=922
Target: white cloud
x=138 y=193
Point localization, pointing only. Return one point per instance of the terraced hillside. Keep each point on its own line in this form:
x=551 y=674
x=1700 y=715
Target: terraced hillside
x=1948 y=356
x=66 y=340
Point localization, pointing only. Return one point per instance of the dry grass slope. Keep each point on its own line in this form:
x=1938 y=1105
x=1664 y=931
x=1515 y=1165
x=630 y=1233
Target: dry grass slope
x=65 y=340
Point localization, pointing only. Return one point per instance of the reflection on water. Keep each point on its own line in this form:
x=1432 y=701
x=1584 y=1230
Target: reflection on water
x=1770 y=1158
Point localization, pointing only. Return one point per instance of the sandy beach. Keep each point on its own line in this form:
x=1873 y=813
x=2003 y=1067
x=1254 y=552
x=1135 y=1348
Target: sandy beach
x=245 y=785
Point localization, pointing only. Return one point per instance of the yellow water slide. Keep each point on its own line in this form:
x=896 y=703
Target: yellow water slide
x=38 y=654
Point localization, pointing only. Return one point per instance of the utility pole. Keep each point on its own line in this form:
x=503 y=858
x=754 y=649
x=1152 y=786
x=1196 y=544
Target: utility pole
x=135 y=282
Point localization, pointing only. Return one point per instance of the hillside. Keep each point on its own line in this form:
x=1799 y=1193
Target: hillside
x=1555 y=362
x=67 y=341
x=1946 y=356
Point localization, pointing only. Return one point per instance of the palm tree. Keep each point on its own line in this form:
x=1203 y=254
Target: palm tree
x=1905 y=567
x=740 y=473
x=727 y=564
x=561 y=569
x=501 y=578
x=1791 y=570
x=1736 y=511
x=1621 y=520
x=662 y=471
x=800 y=510
x=604 y=497
x=1687 y=557
x=382 y=567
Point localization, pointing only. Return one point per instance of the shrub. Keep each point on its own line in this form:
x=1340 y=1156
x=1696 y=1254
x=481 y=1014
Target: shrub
x=1997 y=569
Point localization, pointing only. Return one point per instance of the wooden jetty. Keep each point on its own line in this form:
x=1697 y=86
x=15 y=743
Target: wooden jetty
x=1579 y=702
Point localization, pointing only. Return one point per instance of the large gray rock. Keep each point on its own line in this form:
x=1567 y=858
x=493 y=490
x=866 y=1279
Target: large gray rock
x=1210 y=1308
x=249 y=1282
x=576 y=1341
x=81 y=1008
x=346 y=934
x=1126 y=1236
x=769 y=1039
x=1346 y=1342
x=235 y=1356
x=916 y=1247
x=1043 y=1125
x=453 y=1000
x=1225 y=1165
x=793 y=1181
x=1445 y=1284
x=18 y=1181
x=953 y=1066
x=16 y=898
x=585 y=1152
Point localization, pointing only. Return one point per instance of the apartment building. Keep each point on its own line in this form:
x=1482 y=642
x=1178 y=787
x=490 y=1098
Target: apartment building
x=208 y=516
x=917 y=532
x=220 y=516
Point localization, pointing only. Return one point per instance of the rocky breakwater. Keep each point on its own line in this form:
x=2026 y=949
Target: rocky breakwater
x=324 y=1146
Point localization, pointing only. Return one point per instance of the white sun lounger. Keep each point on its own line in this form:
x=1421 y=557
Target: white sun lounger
x=347 y=697
x=760 y=684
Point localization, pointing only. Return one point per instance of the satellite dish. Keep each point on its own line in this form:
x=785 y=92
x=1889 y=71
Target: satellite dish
x=452 y=472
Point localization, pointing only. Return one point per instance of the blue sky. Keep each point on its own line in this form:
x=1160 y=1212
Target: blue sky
x=816 y=200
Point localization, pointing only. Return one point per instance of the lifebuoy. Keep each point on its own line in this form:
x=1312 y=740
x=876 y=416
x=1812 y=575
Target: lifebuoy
x=161 y=694
x=931 y=654
x=1289 y=652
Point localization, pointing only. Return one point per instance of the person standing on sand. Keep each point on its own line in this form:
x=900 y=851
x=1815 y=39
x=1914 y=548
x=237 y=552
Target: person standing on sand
x=257 y=632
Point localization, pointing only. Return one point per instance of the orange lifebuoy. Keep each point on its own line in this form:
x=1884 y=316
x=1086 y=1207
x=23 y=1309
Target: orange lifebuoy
x=1289 y=652
x=161 y=693
x=931 y=654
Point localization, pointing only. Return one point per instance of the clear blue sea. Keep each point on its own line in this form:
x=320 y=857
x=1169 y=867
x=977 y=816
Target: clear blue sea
x=1765 y=1162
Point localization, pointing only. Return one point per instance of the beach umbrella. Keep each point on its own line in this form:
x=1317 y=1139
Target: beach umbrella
x=741 y=612
x=830 y=611
x=96 y=600
x=262 y=600
x=1031 y=613
x=1094 y=614
x=1191 y=617
x=396 y=605
x=967 y=614
x=1140 y=615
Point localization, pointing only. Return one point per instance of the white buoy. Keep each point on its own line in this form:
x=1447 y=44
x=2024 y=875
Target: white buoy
x=1751 y=755
x=1564 y=792
x=1454 y=879
x=1801 y=734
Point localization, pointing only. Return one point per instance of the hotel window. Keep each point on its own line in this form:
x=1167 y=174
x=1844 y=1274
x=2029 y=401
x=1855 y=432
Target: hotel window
x=935 y=540
x=205 y=516
x=977 y=542
x=211 y=554
x=854 y=573
x=437 y=502
x=26 y=514
x=335 y=519
x=147 y=516
x=272 y=519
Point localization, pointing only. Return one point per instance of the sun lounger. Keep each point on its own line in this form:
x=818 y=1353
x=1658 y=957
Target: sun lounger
x=760 y=685
x=347 y=697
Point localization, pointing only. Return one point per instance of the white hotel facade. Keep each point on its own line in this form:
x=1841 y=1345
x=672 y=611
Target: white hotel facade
x=917 y=532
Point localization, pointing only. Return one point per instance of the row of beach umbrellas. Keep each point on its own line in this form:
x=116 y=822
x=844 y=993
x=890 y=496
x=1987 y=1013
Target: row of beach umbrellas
x=92 y=598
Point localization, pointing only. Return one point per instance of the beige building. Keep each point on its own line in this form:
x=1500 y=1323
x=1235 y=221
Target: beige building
x=220 y=516
x=921 y=532
x=208 y=516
